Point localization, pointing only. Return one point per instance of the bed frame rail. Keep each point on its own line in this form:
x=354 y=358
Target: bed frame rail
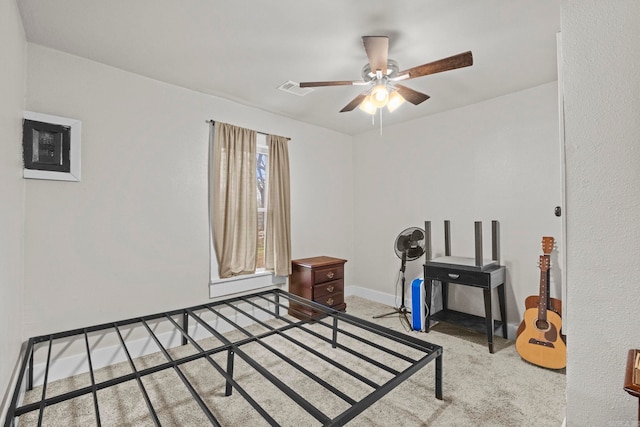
x=242 y=315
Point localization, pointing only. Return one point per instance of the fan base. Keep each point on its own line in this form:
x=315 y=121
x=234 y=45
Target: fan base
x=402 y=312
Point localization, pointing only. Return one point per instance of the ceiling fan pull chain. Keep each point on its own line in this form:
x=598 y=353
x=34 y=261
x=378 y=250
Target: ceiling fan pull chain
x=380 y=121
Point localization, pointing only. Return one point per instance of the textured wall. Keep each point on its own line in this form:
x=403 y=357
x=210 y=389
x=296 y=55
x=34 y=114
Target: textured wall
x=602 y=122
x=132 y=237
x=12 y=78
x=498 y=159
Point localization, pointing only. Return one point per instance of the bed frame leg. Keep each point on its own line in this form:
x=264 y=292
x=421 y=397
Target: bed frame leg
x=439 y=377
x=277 y=305
x=334 y=342
x=230 y=356
x=30 y=376
x=185 y=326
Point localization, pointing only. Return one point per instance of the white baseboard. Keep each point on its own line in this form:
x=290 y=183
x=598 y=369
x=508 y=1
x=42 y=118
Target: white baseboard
x=13 y=380
x=100 y=357
x=391 y=300
x=376 y=296
x=65 y=367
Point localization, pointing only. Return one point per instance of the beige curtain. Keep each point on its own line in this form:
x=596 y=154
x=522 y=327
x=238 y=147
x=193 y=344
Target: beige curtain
x=278 y=231
x=234 y=207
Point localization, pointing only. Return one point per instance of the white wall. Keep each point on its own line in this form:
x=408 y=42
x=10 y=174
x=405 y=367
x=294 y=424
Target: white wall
x=498 y=159
x=12 y=88
x=602 y=122
x=132 y=237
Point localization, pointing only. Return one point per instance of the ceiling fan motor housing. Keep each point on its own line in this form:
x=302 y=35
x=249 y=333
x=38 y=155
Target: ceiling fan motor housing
x=369 y=75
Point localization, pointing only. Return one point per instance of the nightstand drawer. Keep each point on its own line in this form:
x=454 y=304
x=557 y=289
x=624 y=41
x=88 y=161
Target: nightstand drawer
x=331 y=300
x=328 y=288
x=481 y=278
x=322 y=275
x=457 y=276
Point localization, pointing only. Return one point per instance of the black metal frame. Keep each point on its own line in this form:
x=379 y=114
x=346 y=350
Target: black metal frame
x=270 y=303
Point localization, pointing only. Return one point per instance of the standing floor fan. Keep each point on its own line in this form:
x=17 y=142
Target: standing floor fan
x=409 y=246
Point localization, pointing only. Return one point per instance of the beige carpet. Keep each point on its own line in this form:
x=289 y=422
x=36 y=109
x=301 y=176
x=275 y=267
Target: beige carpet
x=480 y=389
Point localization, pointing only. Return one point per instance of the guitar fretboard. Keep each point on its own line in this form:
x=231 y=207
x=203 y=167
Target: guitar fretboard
x=543 y=297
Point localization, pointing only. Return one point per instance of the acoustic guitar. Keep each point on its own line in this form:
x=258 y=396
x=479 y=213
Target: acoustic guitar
x=539 y=340
x=531 y=301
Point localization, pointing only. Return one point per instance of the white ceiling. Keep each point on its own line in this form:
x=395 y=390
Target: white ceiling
x=243 y=50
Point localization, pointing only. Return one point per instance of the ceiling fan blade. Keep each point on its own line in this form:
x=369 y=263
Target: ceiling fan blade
x=377 y=48
x=451 y=63
x=413 y=96
x=354 y=103
x=331 y=83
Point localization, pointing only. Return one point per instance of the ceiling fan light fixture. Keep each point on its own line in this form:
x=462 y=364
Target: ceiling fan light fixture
x=395 y=100
x=367 y=105
x=379 y=96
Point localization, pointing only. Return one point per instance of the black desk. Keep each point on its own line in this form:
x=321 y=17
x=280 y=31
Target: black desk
x=487 y=278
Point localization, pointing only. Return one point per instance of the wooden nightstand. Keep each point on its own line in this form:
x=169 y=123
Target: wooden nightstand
x=632 y=376
x=320 y=279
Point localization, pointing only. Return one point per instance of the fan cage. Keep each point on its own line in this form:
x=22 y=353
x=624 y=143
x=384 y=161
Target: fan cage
x=412 y=242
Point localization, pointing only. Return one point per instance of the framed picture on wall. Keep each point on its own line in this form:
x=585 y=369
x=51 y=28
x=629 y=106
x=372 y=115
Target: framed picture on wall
x=51 y=147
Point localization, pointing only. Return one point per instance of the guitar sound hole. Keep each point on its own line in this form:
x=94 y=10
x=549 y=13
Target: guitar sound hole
x=542 y=324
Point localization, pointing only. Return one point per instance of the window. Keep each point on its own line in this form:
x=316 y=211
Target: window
x=262 y=181
x=246 y=236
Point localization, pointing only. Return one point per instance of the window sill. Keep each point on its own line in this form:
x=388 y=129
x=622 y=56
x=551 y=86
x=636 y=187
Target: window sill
x=245 y=283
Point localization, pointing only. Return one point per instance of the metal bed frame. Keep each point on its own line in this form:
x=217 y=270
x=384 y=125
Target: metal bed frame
x=338 y=326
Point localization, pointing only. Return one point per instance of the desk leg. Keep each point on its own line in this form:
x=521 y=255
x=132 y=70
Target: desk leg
x=503 y=310
x=488 y=317
x=439 y=377
x=445 y=295
x=428 y=284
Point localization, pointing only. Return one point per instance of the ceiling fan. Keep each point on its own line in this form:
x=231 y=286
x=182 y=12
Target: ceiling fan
x=381 y=74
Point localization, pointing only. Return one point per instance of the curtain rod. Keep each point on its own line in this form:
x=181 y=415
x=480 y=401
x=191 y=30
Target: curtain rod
x=213 y=122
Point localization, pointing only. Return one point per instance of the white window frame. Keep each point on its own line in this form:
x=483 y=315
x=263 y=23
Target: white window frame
x=263 y=148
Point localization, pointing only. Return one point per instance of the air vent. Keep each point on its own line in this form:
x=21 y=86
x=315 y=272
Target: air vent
x=294 y=88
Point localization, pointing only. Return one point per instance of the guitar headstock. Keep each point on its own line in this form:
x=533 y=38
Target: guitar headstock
x=544 y=262
x=547 y=245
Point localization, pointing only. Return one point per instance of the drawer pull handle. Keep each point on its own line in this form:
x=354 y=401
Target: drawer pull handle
x=330 y=288
x=330 y=301
x=330 y=275
x=454 y=276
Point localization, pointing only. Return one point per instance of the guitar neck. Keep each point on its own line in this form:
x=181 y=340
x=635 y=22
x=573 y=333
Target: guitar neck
x=548 y=285
x=545 y=266
x=543 y=298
